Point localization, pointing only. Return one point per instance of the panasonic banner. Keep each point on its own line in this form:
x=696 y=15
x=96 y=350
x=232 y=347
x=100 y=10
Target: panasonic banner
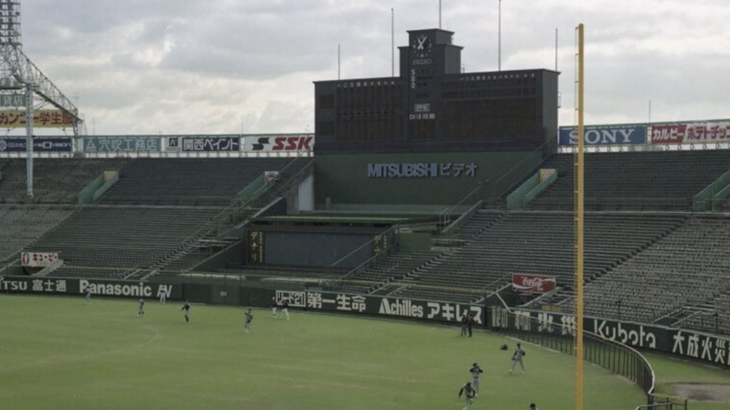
x=628 y=134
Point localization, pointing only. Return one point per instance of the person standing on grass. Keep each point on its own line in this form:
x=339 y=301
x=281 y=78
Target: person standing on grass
x=186 y=308
x=517 y=357
x=464 y=321
x=87 y=298
x=469 y=393
x=249 y=318
x=470 y=324
x=285 y=308
x=274 y=305
x=476 y=373
x=141 y=307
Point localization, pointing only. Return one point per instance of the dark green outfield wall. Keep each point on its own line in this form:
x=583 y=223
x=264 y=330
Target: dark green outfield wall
x=344 y=178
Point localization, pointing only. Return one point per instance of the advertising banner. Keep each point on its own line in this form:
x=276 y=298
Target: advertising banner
x=628 y=134
x=121 y=144
x=423 y=170
x=383 y=306
x=279 y=143
x=38 y=259
x=39 y=144
x=203 y=144
x=691 y=133
x=12 y=100
x=41 y=119
x=533 y=283
x=22 y=284
x=685 y=343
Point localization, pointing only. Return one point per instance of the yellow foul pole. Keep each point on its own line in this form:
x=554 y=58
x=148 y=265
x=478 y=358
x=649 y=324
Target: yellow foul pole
x=579 y=233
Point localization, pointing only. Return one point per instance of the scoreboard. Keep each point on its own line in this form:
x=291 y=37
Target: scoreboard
x=433 y=106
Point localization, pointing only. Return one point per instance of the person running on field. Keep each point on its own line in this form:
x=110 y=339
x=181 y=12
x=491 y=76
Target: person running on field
x=469 y=394
x=186 y=308
x=141 y=307
x=476 y=373
x=249 y=318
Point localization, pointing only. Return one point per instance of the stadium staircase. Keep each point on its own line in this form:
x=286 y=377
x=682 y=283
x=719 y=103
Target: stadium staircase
x=536 y=243
x=23 y=224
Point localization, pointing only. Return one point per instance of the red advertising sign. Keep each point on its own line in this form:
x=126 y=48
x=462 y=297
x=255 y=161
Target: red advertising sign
x=533 y=283
x=280 y=143
x=700 y=132
x=38 y=259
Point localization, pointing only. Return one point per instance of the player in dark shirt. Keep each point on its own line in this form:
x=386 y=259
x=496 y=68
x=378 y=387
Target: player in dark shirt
x=141 y=307
x=249 y=318
x=186 y=308
x=469 y=391
x=274 y=305
x=464 y=320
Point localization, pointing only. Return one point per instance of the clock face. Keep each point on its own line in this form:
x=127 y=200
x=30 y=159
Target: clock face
x=421 y=46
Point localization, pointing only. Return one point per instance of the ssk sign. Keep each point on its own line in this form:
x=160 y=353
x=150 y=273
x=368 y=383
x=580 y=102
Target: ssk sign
x=281 y=143
x=533 y=283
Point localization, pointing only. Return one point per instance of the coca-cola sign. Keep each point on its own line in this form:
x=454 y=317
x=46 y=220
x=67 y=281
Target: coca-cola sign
x=533 y=283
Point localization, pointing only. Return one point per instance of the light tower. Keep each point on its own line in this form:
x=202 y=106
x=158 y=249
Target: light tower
x=17 y=72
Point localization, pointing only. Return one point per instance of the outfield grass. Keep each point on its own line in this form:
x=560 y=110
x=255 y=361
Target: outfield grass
x=57 y=353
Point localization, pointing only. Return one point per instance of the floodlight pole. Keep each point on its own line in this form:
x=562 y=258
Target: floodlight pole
x=579 y=222
x=29 y=136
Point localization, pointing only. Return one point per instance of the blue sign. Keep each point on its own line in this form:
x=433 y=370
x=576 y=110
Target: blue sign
x=39 y=145
x=605 y=135
x=204 y=144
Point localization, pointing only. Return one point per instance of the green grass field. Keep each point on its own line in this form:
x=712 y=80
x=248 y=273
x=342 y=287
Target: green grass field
x=58 y=353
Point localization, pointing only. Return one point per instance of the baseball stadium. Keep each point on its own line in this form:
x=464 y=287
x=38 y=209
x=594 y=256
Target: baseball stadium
x=435 y=221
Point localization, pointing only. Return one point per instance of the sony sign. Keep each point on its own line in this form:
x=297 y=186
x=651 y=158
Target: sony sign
x=605 y=135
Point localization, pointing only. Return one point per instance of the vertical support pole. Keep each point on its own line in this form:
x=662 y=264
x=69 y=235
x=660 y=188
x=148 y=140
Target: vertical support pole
x=29 y=136
x=392 y=43
x=499 y=37
x=579 y=219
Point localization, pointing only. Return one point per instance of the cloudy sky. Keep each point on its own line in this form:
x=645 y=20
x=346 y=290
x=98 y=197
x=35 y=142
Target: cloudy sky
x=219 y=66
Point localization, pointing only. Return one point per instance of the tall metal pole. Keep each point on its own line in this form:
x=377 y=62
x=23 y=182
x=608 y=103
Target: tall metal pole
x=338 y=61
x=29 y=136
x=649 y=112
x=579 y=210
x=499 y=38
x=439 y=14
x=392 y=43
x=556 y=49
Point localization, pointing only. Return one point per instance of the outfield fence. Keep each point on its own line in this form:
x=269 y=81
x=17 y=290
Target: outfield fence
x=613 y=356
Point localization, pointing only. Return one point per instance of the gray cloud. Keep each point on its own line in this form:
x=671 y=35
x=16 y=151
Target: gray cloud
x=187 y=67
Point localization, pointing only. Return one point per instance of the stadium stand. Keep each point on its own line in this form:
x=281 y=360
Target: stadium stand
x=56 y=180
x=537 y=243
x=666 y=180
x=111 y=241
x=187 y=181
x=398 y=265
x=21 y=225
x=690 y=266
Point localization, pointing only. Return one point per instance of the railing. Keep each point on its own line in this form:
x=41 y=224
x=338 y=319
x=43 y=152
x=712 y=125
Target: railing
x=444 y=215
x=519 y=172
x=372 y=260
x=616 y=357
x=593 y=203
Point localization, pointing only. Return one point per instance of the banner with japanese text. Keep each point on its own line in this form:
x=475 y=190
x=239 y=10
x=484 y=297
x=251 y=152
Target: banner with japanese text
x=382 y=306
x=686 y=343
x=691 y=132
x=121 y=144
x=98 y=287
x=41 y=119
x=203 y=144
